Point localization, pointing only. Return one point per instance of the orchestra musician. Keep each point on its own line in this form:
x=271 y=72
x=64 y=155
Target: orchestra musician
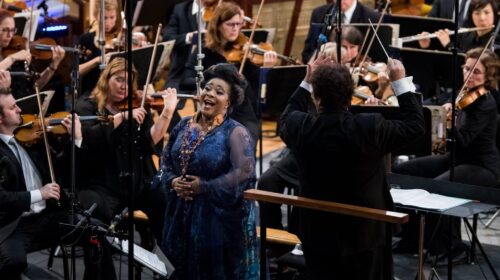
x=354 y=11
x=103 y=165
x=446 y=9
x=29 y=217
x=484 y=14
x=223 y=34
x=22 y=86
x=350 y=148
x=477 y=160
x=89 y=45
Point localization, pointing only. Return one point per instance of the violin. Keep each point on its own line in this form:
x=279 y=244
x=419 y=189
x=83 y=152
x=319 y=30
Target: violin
x=237 y=52
x=360 y=95
x=30 y=131
x=39 y=49
x=370 y=70
x=14 y=7
x=469 y=97
x=209 y=6
x=155 y=102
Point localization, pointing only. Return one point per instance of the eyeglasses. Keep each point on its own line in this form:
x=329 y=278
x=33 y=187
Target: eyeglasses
x=233 y=24
x=476 y=71
x=9 y=30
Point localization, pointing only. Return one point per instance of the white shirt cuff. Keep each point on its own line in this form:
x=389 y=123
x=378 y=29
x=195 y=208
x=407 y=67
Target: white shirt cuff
x=307 y=86
x=403 y=85
x=78 y=142
x=36 y=196
x=188 y=40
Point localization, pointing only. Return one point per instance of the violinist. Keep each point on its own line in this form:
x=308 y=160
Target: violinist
x=477 y=157
x=104 y=164
x=222 y=39
x=484 y=14
x=14 y=60
x=181 y=28
x=28 y=214
x=90 y=48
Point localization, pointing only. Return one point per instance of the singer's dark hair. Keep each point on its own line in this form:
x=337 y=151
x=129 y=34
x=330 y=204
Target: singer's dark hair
x=230 y=74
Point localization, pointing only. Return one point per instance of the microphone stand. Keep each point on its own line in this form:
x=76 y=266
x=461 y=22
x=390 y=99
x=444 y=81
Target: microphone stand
x=326 y=30
x=338 y=29
x=102 y=37
x=75 y=82
x=199 y=67
x=131 y=174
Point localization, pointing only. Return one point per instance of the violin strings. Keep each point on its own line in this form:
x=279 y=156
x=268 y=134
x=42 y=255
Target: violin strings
x=378 y=39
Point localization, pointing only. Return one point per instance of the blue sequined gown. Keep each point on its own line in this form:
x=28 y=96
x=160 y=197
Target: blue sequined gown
x=213 y=236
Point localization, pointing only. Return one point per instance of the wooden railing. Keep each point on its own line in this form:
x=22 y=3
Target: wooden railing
x=315 y=204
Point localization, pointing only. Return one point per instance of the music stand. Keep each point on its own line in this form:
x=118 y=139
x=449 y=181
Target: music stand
x=141 y=59
x=422 y=146
x=22 y=22
x=152 y=12
x=413 y=25
x=281 y=82
x=431 y=70
x=262 y=35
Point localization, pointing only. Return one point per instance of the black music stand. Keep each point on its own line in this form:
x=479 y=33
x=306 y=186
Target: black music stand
x=141 y=59
x=261 y=35
x=431 y=72
x=152 y=12
x=376 y=52
x=489 y=197
x=413 y=25
x=421 y=146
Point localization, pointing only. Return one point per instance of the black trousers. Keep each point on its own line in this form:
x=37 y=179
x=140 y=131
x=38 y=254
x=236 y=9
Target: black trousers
x=438 y=167
x=40 y=231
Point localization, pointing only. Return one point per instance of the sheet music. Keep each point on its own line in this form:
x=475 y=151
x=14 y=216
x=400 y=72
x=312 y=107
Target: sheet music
x=144 y=256
x=424 y=199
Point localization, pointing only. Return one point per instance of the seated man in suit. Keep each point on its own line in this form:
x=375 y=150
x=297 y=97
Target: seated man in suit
x=28 y=200
x=351 y=11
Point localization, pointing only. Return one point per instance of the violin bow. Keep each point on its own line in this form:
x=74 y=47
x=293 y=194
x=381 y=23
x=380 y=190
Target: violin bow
x=45 y=138
x=384 y=11
x=102 y=37
x=378 y=39
x=151 y=64
x=250 y=40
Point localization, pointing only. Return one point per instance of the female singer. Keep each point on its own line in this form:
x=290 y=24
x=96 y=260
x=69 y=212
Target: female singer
x=89 y=45
x=206 y=165
x=477 y=156
x=103 y=178
x=21 y=86
x=222 y=34
x=484 y=13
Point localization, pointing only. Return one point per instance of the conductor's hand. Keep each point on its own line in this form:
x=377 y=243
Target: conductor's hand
x=50 y=191
x=311 y=67
x=396 y=69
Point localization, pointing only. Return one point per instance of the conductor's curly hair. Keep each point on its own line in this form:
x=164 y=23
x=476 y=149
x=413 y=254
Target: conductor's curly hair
x=333 y=85
x=229 y=74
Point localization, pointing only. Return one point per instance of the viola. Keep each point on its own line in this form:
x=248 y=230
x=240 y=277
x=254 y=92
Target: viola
x=154 y=101
x=470 y=96
x=30 y=131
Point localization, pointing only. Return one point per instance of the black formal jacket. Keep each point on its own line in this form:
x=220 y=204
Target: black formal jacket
x=361 y=15
x=243 y=113
x=445 y=9
x=340 y=158
x=182 y=21
x=476 y=131
x=14 y=198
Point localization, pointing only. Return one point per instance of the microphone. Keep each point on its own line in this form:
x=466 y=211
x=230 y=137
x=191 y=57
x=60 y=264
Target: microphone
x=86 y=215
x=117 y=219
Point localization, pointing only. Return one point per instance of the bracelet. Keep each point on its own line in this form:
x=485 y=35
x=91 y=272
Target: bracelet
x=52 y=68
